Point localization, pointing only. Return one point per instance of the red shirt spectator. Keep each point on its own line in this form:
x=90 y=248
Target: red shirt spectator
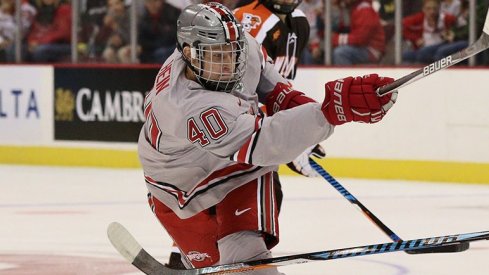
x=365 y=29
x=422 y=28
x=55 y=31
x=430 y=33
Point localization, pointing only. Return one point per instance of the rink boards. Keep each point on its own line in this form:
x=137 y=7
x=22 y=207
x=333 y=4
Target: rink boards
x=90 y=116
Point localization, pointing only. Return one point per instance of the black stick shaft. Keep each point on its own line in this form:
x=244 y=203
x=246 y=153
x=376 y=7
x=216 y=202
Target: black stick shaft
x=336 y=185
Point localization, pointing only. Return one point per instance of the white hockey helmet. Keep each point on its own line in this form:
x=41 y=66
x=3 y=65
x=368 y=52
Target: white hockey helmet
x=216 y=38
x=281 y=6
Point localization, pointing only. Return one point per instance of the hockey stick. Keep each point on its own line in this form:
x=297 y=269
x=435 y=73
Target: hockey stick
x=128 y=247
x=458 y=247
x=478 y=46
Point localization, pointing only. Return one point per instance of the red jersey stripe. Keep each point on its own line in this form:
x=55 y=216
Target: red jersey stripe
x=183 y=197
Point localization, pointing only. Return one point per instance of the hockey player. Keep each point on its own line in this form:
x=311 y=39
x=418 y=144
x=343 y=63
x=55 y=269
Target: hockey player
x=283 y=32
x=282 y=29
x=207 y=153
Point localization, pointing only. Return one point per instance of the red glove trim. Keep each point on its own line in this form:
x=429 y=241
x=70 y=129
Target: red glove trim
x=284 y=97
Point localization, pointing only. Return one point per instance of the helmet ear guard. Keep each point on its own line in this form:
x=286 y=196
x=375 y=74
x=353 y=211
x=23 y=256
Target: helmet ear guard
x=193 y=50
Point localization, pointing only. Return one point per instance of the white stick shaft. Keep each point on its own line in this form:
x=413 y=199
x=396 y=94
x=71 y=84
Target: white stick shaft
x=486 y=24
x=480 y=45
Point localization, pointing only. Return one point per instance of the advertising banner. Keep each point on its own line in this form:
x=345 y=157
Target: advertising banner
x=100 y=103
x=25 y=104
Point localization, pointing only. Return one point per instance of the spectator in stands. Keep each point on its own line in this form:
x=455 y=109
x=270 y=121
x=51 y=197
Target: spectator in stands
x=429 y=32
x=457 y=38
x=314 y=53
x=27 y=14
x=7 y=27
x=157 y=31
x=362 y=41
x=453 y=7
x=50 y=35
x=92 y=17
x=115 y=33
x=387 y=11
x=340 y=17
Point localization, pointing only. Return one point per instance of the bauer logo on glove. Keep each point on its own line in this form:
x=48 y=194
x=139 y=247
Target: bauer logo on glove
x=355 y=99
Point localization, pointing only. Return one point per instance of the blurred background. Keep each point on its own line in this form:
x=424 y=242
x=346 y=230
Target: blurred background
x=73 y=77
x=74 y=74
x=143 y=31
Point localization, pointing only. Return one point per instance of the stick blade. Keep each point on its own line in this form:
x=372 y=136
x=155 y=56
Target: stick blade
x=134 y=253
x=454 y=248
x=123 y=241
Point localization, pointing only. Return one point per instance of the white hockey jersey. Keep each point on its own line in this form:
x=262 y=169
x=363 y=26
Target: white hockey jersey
x=198 y=145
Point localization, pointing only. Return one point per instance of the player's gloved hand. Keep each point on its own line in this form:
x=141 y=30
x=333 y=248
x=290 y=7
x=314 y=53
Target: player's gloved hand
x=355 y=99
x=301 y=164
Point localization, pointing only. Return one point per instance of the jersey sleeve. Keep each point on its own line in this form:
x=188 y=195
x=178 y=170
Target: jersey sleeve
x=280 y=138
x=262 y=141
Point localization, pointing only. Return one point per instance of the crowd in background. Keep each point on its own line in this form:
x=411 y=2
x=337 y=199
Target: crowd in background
x=362 y=30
